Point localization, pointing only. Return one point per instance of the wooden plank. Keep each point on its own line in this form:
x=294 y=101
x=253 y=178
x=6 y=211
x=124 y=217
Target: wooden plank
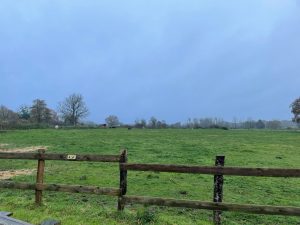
x=218 y=190
x=40 y=177
x=214 y=170
x=55 y=156
x=81 y=189
x=61 y=188
x=256 y=209
x=17 y=185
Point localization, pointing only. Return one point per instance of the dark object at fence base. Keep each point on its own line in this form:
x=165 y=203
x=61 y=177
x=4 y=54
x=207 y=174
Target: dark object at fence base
x=5 y=214
x=51 y=222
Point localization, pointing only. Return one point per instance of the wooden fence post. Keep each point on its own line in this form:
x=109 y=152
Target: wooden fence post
x=218 y=190
x=123 y=180
x=40 y=177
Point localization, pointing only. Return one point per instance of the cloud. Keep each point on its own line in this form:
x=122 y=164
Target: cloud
x=171 y=59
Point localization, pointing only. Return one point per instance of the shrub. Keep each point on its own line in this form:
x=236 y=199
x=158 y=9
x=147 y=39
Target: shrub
x=146 y=215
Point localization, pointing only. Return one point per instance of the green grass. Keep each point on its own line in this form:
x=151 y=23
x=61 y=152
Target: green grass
x=280 y=149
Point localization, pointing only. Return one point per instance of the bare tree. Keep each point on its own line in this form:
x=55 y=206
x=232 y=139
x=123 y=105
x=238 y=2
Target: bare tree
x=112 y=121
x=143 y=123
x=206 y=122
x=196 y=123
x=273 y=124
x=176 y=125
x=7 y=117
x=140 y=123
x=73 y=108
x=189 y=123
x=234 y=122
x=54 y=120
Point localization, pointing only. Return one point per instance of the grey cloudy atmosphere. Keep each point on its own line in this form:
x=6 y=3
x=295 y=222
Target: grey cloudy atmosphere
x=169 y=59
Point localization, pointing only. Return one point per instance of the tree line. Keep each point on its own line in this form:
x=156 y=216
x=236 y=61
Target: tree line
x=113 y=121
x=38 y=115
x=215 y=123
x=73 y=109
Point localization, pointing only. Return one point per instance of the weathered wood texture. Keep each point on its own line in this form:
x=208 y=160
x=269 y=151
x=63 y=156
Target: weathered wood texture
x=218 y=189
x=40 y=177
x=53 y=156
x=218 y=170
x=81 y=189
x=214 y=170
x=123 y=173
x=17 y=185
x=256 y=209
x=123 y=179
x=61 y=188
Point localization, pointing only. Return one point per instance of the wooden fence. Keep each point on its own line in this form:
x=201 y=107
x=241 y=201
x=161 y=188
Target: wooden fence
x=39 y=186
x=218 y=171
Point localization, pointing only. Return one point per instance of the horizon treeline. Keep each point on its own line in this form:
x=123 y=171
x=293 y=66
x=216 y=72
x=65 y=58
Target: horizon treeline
x=217 y=123
x=39 y=115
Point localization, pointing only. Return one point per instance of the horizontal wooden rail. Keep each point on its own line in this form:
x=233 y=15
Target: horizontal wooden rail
x=214 y=170
x=256 y=209
x=54 y=156
x=61 y=188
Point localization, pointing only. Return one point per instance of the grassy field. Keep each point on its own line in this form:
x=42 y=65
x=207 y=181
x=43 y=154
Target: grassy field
x=195 y=147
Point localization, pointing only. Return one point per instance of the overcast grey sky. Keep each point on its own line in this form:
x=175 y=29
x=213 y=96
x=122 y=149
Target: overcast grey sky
x=166 y=58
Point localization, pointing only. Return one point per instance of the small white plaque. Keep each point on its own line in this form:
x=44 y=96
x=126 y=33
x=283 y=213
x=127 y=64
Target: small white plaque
x=71 y=157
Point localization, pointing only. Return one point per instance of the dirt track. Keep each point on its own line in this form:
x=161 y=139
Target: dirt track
x=4 y=148
x=12 y=173
x=7 y=174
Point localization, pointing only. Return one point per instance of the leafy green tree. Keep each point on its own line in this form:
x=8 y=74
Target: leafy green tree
x=143 y=123
x=260 y=124
x=39 y=112
x=295 y=109
x=24 y=112
x=152 y=122
x=140 y=123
